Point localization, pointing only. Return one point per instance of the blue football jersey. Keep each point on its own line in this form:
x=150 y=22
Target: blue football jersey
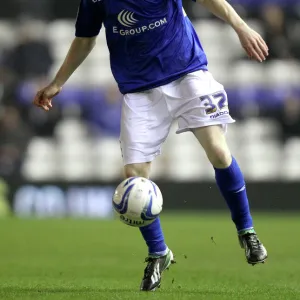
x=151 y=42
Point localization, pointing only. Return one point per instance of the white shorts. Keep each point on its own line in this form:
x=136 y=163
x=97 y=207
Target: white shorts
x=195 y=100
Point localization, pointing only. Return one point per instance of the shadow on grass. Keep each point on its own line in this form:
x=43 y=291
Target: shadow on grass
x=60 y=290
x=66 y=290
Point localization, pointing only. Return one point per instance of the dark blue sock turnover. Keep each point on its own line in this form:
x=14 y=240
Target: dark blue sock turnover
x=232 y=186
x=154 y=238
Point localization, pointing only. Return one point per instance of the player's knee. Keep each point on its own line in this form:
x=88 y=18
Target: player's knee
x=140 y=170
x=219 y=157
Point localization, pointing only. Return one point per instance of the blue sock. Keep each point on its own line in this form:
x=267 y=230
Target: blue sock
x=232 y=186
x=154 y=238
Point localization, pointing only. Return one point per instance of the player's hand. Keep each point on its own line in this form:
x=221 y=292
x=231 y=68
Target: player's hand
x=254 y=45
x=44 y=97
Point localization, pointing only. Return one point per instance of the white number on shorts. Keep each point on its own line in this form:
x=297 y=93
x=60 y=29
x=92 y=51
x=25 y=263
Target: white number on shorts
x=214 y=102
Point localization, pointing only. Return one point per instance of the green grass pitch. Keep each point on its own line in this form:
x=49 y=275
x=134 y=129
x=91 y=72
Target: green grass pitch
x=84 y=259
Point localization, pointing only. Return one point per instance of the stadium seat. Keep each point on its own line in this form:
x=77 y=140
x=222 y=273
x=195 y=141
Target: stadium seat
x=266 y=149
x=259 y=159
x=290 y=169
x=76 y=170
x=232 y=45
x=99 y=74
x=292 y=147
x=99 y=57
x=70 y=129
x=7 y=34
x=291 y=158
x=77 y=79
x=101 y=39
x=39 y=170
x=107 y=159
x=209 y=31
x=77 y=149
x=188 y=171
x=185 y=152
x=61 y=31
x=219 y=71
x=159 y=166
x=41 y=147
x=182 y=147
x=185 y=160
x=257 y=26
x=262 y=170
x=259 y=129
x=100 y=52
x=233 y=136
x=60 y=50
x=41 y=160
x=282 y=72
x=245 y=73
x=233 y=131
x=75 y=161
x=213 y=50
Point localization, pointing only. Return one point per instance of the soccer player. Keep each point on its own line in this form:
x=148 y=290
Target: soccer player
x=161 y=69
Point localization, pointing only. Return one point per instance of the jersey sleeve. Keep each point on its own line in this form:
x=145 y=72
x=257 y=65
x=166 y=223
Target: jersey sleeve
x=89 y=19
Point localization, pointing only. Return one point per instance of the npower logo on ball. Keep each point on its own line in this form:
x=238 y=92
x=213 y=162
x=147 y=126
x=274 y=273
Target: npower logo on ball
x=128 y=20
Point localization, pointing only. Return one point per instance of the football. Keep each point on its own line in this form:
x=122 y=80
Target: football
x=137 y=201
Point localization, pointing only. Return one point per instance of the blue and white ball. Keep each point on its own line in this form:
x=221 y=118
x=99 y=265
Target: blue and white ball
x=138 y=201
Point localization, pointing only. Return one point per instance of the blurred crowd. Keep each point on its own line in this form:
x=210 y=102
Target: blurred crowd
x=26 y=61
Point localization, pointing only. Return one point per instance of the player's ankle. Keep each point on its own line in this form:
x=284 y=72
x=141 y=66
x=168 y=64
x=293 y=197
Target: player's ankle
x=159 y=253
x=247 y=230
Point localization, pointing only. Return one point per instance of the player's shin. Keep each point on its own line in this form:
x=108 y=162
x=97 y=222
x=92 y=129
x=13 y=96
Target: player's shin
x=154 y=238
x=160 y=257
x=231 y=183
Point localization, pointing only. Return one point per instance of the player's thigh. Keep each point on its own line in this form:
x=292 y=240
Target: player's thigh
x=202 y=107
x=145 y=125
x=213 y=141
x=199 y=101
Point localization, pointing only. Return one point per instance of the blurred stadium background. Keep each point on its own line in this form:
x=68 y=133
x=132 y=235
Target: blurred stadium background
x=67 y=162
